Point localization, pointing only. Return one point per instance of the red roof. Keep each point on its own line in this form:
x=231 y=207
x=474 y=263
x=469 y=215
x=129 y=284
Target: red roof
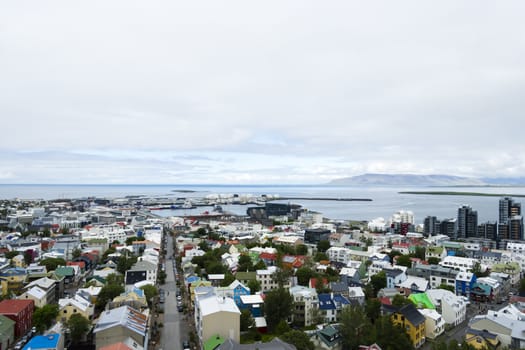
x=14 y=306
x=268 y=256
x=82 y=264
x=385 y=301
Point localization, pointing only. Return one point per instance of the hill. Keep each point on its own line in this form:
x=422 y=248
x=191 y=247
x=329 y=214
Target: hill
x=407 y=180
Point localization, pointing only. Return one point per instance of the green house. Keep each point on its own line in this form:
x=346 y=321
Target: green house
x=7 y=332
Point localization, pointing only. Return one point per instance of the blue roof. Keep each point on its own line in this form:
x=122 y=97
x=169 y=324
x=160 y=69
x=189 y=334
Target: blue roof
x=49 y=341
x=326 y=302
x=338 y=298
x=192 y=279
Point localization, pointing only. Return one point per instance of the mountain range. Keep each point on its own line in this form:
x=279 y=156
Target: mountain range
x=424 y=180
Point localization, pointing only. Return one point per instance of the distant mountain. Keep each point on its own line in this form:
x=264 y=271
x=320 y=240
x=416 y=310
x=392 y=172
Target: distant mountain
x=408 y=180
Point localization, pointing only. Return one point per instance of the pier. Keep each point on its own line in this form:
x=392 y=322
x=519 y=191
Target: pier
x=325 y=199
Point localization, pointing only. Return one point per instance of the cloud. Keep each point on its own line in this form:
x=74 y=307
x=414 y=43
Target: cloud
x=218 y=91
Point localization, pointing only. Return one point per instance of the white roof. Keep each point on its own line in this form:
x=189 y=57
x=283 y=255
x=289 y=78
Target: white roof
x=37 y=293
x=77 y=301
x=260 y=322
x=212 y=305
x=252 y=299
x=430 y=313
x=124 y=316
x=421 y=283
x=43 y=282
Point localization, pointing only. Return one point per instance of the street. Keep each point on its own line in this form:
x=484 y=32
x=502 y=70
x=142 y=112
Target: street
x=175 y=329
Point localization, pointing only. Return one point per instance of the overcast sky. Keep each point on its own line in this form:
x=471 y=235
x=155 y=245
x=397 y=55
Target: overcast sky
x=259 y=92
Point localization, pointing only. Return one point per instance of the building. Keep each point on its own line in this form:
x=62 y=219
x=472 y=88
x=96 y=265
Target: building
x=488 y=230
x=315 y=235
x=75 y=305
x=20 y=311
x=434 y=323
x=217 y=316
x=508 y=208
x=431 y=226
x=408 y=317
x=453 y=308
x=119 y=324
x=305 y=302
x=437 y=275
x=7 y=332
x=467 y=222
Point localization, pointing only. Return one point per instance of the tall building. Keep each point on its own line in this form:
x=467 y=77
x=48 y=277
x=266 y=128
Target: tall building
x=488 y=230
x=507 y=209
x=467 y=222
x=430 y=226
x=516 y=227
x=447 y=227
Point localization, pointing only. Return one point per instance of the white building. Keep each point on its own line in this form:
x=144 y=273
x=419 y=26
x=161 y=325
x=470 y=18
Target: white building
x=434 y=323
x=305 y=302
x=217 y=316
x=459 y=263
x=453 y=308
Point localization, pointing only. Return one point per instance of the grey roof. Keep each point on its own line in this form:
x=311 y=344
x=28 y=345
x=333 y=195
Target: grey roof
x=275 y=344
x=123 y=316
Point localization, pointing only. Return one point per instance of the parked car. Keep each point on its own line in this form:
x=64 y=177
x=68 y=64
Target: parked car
x=180 y=308
x=186 y=345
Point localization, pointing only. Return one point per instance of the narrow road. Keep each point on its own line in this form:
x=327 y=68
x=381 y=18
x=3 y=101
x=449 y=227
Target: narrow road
x=175 y=329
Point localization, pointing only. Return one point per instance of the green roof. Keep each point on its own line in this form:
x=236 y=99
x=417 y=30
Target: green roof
x=437 y=250
x=5 y=324
x=213 y=342
x=421 y=301
x=452 y=245
x=250 y=275
x=65 y=271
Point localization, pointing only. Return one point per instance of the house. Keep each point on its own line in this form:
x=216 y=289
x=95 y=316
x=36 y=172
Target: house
x=128 y=344
x=7 y=332
x=49 y=286
x=350 y=276
x=275 y=344
x=394 y=277
x=305 y=302
x=13 y=280
x=328 y=338
x=77 y=304
x=434 y=323
x=253 y=303
x=437 y=252
x=134 y=298
x=20 y=311
x=37 y=294
x=509 y=331
x=327 y=308
x=68 y=272
x=235 y=290
x=408 y=317
x=453 y=308
x=356 y=295
x=119 y=324
x=246 y=277
x=414 y=285
x=436 y=274
x=52 y=341
x=266 y=279
x=464 y=283
x=482 y=339
x=90 y=293
x=217 y=316
x=141 y=269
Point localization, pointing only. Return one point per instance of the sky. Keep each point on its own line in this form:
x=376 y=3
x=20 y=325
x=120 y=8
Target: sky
x=268 y=92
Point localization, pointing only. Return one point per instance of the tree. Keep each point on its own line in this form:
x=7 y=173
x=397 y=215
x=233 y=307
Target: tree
x=282 y=276
x=52 y=263
x=378 y=281
x=390 y=336
x=245 y=263
x=254 y=286
x=125 y=263
x=301 y=249
x=228 y=279
x=130 y=240
x=404 y=260
x=373 y=309
x=303 y=275
x=150 y=292
x=259 y=266
x=107 y=293
x=44 y=317
x=114 y=278
x=323 y=245
x=78 y=327
x=476 y=270
x=433 y=260
x=10 y=255
x=399 y=300
x=247 y=322
x=28 y=256
x=356 y=328
x=447 y=287
x=76 y=253
x=299 y=339
x=277 y=306
x=521 y=289
x=320 y=256
x=419 y=253
x=201 y=232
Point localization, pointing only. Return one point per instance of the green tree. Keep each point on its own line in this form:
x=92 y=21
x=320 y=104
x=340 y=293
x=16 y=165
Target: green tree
x=356 y=328
x=419 y=252
x=373 y=309
x=282 y=327
x=201 y=231
x=299 y=339
x=259 y=266
x=44 y=317
x=277 y=306
x=254 y=286
x=399 y=300
x=390 y=336
x=303 y=275
x=28 y=256
x=150 y=292
x=76 y=253
x=404 y=260
x=323 y=245
x=433 y=260
x=247 y=322
x=282 y=276
x=78 y=327
x=301 y=249
x=107 y=293
x=130 y=240
x=215 y=267
x=521 y=288
x=320 y=256
x=125 y=263
x=476 y=270
x=114 y=278
x=378 y=282
x=245 y=263
x=228 y=279
x=52 y=263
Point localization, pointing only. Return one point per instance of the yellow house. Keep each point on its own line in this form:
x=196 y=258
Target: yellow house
x=135 y=298
x=482 y=339
x=18 y=261
x=199 y=283
x=75 y=305
x=412 y=321
x=12 y=282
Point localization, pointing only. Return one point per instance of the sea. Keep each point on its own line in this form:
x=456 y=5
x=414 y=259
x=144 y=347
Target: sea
x=385 y=200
